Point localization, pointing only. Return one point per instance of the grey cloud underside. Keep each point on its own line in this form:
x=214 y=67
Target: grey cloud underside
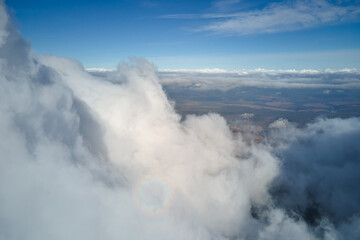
x=87 y=157
x=320 y=169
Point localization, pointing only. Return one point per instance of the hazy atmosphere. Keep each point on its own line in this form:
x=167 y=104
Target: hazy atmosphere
x=221 y=120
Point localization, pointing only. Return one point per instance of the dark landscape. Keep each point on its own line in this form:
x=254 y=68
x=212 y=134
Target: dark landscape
x=299 y=106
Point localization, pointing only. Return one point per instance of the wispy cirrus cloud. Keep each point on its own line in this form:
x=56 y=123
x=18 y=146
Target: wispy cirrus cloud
x=275 y=17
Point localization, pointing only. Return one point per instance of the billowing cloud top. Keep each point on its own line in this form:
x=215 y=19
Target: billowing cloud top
x=84 y=157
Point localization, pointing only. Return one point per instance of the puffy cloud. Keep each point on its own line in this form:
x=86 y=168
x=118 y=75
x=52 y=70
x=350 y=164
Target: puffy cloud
x=246 y=115
x=88 y=157
x=193 y=164
x=280 y=123
x=320 y=169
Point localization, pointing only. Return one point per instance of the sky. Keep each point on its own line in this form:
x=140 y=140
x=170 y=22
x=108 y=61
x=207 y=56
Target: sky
x=184 y=34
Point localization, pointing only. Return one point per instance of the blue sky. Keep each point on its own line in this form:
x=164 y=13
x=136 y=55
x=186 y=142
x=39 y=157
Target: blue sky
x=173 y=34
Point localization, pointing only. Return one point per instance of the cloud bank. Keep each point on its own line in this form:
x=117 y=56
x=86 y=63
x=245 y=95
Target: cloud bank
x=206 y=79
x=86 y=157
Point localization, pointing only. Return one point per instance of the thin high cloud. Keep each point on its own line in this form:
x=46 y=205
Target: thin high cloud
x=87 y=157
x=275 y=17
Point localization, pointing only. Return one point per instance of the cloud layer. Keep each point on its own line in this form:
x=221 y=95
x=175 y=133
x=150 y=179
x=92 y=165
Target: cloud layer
x=207 y=79
x=84 y=157
x=222 y=79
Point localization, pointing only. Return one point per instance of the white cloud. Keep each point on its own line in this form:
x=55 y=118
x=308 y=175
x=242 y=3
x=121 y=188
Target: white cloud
x=99 y=70
x=205 y=79
x=280 y=123
x=247 y=115
x=275 y=17
x=215 y=78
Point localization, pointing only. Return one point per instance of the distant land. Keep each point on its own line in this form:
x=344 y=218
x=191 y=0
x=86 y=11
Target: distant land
x=259 y=97
x=265 y=105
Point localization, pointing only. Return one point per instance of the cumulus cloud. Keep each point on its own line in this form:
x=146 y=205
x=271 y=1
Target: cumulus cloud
x=280 y=123
x=246 y=115
x=87 y=157
x=320 y=169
